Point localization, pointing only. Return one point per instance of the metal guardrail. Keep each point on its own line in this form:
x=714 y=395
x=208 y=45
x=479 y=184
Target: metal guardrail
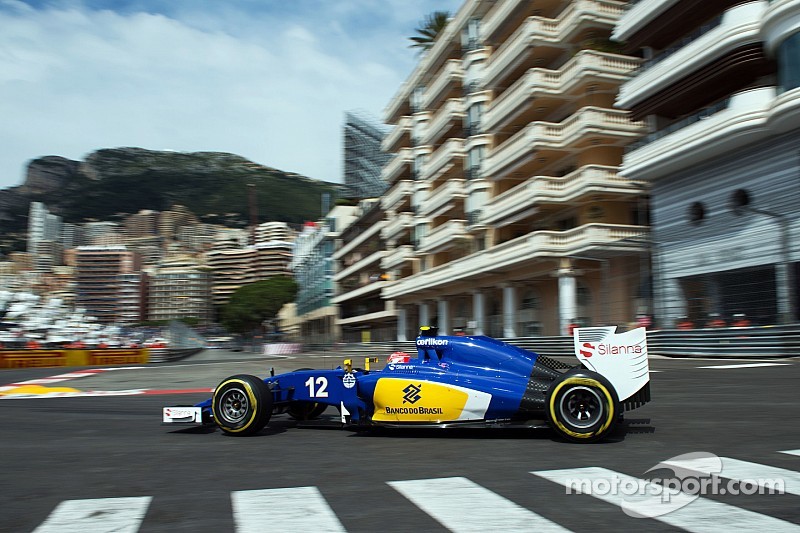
x=166 y=355
x=751 y=342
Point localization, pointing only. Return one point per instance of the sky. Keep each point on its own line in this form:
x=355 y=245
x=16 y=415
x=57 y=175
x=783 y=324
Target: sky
x=269 y=80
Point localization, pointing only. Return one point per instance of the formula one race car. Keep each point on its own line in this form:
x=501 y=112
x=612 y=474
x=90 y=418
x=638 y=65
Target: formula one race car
x=453 y=381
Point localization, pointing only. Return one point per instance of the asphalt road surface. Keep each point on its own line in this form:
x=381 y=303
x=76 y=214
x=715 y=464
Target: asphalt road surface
x=96 y=458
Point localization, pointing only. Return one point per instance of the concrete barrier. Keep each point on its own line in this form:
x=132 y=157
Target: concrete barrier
x=55 y=358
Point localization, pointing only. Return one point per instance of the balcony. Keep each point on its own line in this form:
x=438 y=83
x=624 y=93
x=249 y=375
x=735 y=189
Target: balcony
x=448 y=78
x=398 y=166
x=739 y=27
x=358 y=292
x=396 y=225
x=450 y=116
x=399 y=137
x=397 y=257
x=587 y=125
x=538 y=31
x=360 y=239
x=452 y=190
x=397 y=195
x=638 y=16
x=497 y=17
x=444 y=236
x=587 y=66
x=780 y=21
x=540 y=189
x=528 y=249
x=750 y=116
x=368 y=261
x=367 y=318
x=443 y=159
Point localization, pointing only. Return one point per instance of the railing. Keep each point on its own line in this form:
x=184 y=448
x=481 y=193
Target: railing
x=550 y=29
x=679 y=125
x=757 y=342
x=696 y=34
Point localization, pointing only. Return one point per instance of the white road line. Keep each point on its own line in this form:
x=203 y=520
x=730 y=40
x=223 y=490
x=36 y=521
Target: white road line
x=752 y=473
x=95 y=516
x=462 y=505
x=748 y=365
x=792 y=452
x=677 y=509
x=291 y=510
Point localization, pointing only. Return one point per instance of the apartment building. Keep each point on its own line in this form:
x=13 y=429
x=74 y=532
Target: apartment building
x=506 y=214
x=363 y=157
x=141 y=225
x=363 y=315
x=720 y=92
x=102 y=281
x=233 y=266
x=313 y=268
x=180 y=288
x=44 y=237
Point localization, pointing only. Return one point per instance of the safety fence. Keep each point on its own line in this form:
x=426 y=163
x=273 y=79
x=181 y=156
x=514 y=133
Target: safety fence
x=53 y=358
x=746 y=342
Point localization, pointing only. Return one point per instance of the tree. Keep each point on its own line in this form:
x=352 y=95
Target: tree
x=429 y=28
x=254 y=303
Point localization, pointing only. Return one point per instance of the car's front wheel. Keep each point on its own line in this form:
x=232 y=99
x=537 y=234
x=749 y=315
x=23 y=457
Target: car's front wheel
x=242 y=405
x=582 y=406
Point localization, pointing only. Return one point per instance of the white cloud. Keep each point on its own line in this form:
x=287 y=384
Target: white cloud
x=267 y=80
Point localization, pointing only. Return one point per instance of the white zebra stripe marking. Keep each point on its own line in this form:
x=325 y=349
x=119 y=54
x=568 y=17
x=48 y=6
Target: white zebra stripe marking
x=462 y=505
x=123 y=515
x=696 y=514
x=290 y=510
x=792 y=452
x=752 y=473
x=745 y=365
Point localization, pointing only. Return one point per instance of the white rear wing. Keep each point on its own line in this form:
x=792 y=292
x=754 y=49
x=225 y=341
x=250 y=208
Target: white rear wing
x=621 y=358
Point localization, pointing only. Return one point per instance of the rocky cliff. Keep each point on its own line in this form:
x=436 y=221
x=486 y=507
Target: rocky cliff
x=110 y=183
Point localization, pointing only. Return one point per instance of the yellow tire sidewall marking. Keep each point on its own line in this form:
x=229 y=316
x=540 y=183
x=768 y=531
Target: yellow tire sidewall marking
x=588 y=382
x=251 y=398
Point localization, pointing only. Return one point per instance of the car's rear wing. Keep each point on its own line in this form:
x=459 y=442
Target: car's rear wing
x=619 y=357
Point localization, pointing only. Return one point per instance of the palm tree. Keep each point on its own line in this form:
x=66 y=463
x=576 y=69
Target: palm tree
x=429 y=28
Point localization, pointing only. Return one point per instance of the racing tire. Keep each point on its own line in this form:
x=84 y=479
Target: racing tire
x=305 y=410
x=242 y=405
x=582 y=406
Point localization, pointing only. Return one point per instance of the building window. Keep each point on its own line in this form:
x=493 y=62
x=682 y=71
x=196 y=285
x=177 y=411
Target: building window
x=789 y=64
x=470 y=36
x=740 y=200
x=528 y=324
x=697 y=212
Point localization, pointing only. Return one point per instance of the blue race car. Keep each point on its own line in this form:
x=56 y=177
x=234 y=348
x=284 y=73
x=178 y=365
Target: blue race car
x=454 y=381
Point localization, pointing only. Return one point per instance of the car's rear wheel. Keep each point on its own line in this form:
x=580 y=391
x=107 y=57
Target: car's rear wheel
x=582 y=406
x=242 y=405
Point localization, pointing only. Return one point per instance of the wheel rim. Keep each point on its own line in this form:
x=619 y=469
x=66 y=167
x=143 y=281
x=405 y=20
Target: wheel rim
x=581 y=407
x=234 y=405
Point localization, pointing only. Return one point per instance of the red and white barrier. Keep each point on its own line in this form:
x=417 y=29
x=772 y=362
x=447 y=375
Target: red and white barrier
x=282 y=348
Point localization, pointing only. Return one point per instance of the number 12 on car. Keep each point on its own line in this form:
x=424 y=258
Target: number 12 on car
x=317 y=387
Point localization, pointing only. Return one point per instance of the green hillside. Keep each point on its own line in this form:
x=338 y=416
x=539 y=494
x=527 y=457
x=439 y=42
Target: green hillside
x=215 y=186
